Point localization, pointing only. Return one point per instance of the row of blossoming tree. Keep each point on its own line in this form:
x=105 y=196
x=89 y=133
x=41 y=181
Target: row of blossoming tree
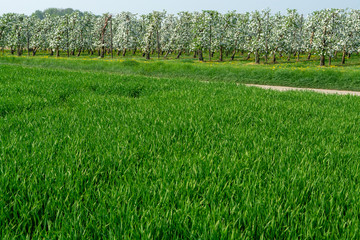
x=326 y=33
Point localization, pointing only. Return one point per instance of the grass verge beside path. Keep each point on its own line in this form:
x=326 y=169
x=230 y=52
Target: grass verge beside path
x=294 y=75
x=93 y=155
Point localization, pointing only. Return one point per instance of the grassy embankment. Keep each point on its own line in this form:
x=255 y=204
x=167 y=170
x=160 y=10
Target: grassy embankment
x=298 y=74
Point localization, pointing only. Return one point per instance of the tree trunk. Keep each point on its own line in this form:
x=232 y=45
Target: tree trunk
x=124 y=52
x=343 y=57
x=248 y=56
x=289 y=56
x=322 y=60
x=233 y=55
x=201 y=58
x=134 y=52
x=210 y=55
x=311 y=42
x=221 y=54
x=34 y=52
x=298 y=56
x=158 y=43
x=57 y=52
x=257 y=59
x=195 y=53
x=179 y=54
x=51 y=52
x=103 y=36
x=19 y=51
x=102 y=55
x=67 y=36
x=329 y=60
x=79 y=52
x=167 y=53
x=274 y=57
x=111 y=39
x=28 y=46
x=148 y=55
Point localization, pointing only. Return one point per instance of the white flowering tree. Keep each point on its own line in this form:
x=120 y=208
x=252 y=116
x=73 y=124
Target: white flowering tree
x=151 y=27
x=241 y=36
x=88 y=21
x=325 y=33
x=181 y=33
x=268 y=25
x=38 y=36
x=293 y=30
x=6 y=28
x=125 y=32
x=147 y=29
x=325 y=36
x=212 y=21
x=16 y=33
x=228 y=34
x=224 y=32
x=199 y=34
x=74 y=32
x=277 y=36
x=168 y=27
x=348 y=33
x=57 y=35
x=260 y=34
x=204 y=32
x=310 y=27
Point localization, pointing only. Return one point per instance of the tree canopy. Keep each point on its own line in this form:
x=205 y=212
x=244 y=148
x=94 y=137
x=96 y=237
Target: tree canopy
x=55 y=12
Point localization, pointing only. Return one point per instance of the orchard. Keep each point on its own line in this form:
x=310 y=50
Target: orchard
x=326 y=33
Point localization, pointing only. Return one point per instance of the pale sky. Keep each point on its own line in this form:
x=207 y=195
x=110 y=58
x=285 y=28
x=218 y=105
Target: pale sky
x=172 y=6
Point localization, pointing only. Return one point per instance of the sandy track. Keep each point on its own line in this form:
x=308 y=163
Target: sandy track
x=326 y=91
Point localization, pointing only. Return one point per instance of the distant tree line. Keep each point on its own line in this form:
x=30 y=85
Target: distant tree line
x=55 y=12
x=326 y=33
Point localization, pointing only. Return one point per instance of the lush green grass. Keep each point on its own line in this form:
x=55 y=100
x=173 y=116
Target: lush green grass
x=89 y=155
x=297 y=74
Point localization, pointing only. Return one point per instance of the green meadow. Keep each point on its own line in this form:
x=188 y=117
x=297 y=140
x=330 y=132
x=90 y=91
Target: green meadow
x=302 y=73
x=177 y=149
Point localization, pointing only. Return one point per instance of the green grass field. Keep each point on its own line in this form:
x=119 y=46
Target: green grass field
x=131 y=149
x=297 y=74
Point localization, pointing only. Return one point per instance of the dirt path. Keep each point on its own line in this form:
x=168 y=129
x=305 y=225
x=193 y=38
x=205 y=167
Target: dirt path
x=326 y=91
